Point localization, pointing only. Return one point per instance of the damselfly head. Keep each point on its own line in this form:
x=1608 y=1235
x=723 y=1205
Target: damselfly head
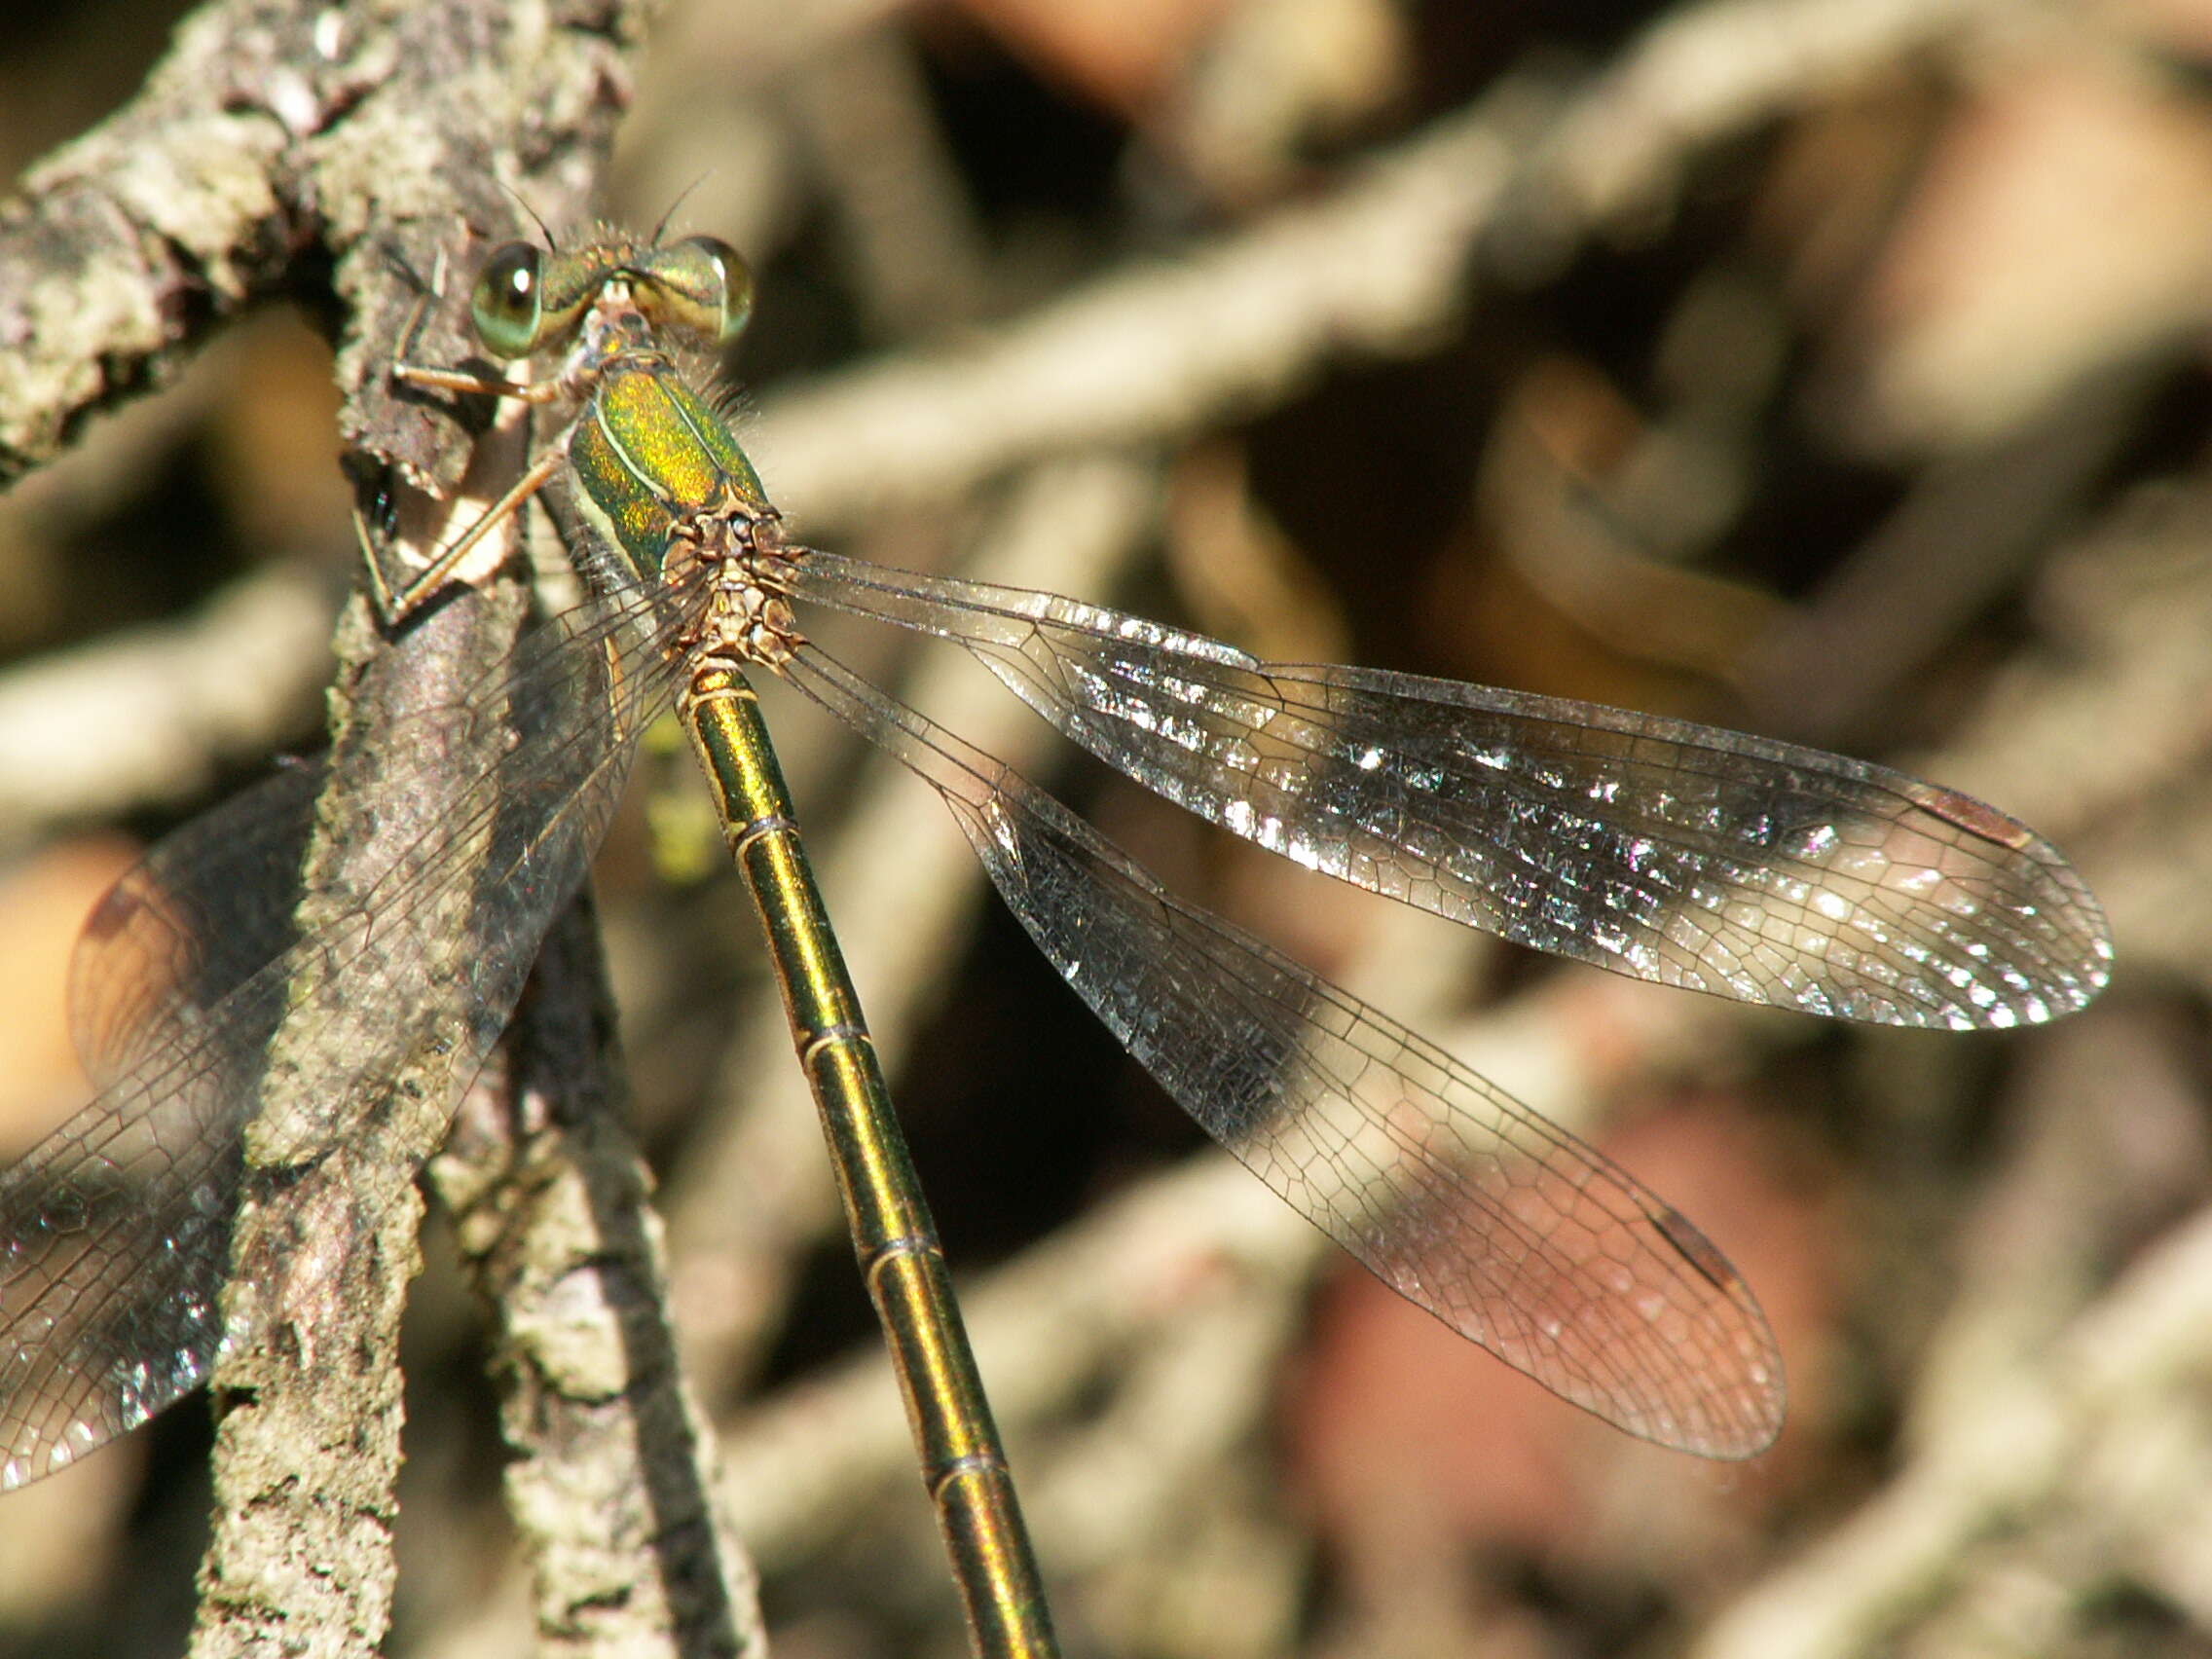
x=526 y=299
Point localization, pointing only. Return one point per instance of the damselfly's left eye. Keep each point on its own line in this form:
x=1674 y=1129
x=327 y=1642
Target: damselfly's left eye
x=704 y=286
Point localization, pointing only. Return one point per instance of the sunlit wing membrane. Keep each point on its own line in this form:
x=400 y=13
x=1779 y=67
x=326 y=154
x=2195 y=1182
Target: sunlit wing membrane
x=1680 y=854
x=1505 y=1227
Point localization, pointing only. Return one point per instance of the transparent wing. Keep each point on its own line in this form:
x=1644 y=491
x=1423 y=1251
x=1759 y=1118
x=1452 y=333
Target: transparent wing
x=114 y=1232
x=200 y=913
x=1676 y=853
x=1505 y=1227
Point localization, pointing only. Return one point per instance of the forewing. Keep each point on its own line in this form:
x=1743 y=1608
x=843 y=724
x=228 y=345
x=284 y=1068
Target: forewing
x=1676 y=853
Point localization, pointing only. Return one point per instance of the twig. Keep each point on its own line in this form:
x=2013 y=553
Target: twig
x=902 y=212
x=1710 y=71
x=2032 y=1435
x=1379 y=268
x=146 y=715
x=274 y=129
x=307 y=1386
x=1158 y=352
x=617 y=1484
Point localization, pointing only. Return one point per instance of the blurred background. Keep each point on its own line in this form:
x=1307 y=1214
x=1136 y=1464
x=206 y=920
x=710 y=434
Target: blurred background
x=1832 y=369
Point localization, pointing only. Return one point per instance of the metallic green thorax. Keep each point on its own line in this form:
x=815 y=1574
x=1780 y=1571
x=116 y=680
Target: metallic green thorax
x=650 y=454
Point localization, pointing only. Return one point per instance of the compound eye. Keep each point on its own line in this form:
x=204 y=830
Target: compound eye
x=716 y=287
x=509 y=302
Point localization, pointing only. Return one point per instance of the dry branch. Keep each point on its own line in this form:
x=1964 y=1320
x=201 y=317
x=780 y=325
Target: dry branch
x=275 y=140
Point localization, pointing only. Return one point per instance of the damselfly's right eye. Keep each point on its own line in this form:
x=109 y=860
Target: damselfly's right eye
x=508 y=302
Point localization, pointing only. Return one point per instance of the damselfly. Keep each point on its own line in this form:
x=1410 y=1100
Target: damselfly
x=1676 y=853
